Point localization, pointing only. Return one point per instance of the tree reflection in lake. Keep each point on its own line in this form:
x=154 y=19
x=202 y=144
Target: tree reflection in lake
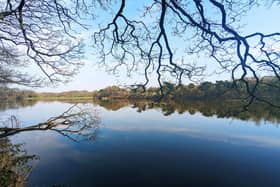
x=222 y=109
x=14 y=104
x=77 y=123
x=150 y=148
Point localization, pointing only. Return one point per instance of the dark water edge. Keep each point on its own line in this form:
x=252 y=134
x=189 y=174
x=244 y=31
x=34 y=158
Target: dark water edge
x=146 y=144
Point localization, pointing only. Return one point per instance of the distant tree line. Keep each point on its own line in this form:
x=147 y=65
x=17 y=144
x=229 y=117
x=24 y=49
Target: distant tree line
x=220 y=90
x=15 y=94
x=220 y=99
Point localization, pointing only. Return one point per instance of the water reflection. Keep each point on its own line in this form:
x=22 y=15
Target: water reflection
x=75 y=123
x=15 y=104
x=222 y=109
x=137 y=148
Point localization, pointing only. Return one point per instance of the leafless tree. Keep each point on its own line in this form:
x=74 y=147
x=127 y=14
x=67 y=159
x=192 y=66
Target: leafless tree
x=44 y=33
x=40 y=34
x=76 y=123
x=205 y=27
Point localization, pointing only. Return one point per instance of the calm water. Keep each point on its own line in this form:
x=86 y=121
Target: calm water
x=149 y=148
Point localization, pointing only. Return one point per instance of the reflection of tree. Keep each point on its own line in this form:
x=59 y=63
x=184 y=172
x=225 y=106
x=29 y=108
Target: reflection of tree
x=222 y=108
x=14 y=104
x=15 y=164
x=113 y=104
x=75 y=123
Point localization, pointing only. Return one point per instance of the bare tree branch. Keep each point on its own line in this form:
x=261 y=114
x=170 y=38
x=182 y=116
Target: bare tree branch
x=75 y=123
x=217 y=35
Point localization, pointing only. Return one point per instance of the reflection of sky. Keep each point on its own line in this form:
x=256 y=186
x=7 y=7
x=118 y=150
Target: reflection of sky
x=153 y=147
x=40 y=112
x=199 y=126
x=128 y=120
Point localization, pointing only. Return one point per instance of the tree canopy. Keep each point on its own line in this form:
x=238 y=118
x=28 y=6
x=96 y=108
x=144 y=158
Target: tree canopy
x=38 y=33
x=44 y=33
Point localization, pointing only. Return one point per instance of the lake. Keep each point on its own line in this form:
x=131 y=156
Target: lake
x=143 y=144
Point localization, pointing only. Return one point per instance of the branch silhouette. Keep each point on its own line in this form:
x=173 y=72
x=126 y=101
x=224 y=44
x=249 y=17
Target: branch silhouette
x=147 y=45
x=75 y=123
x=44 y=33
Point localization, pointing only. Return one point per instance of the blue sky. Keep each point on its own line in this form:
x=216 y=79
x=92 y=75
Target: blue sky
x=91 y=77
